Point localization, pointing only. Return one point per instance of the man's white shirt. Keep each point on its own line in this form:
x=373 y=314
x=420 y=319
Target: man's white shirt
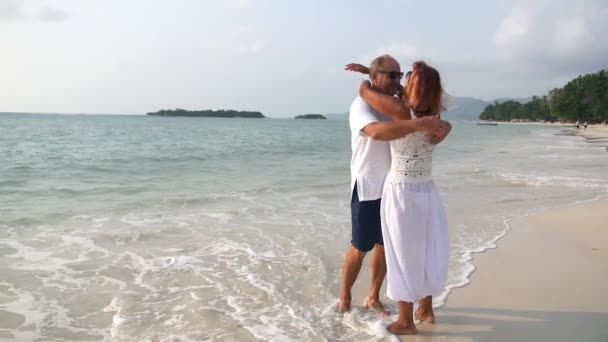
x=371 y=159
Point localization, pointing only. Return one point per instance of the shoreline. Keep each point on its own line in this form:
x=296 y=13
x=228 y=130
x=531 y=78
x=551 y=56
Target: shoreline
x=595 y=134
x=531 y=123
x=532 y=296
x=553 y=293
x=442 y=300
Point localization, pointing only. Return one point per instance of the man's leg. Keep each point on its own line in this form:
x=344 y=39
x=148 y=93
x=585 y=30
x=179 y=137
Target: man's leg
x=378 y=265
x=378 y=262
x=350 y=270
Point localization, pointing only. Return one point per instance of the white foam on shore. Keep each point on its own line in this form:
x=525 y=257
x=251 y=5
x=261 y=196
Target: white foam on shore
x=464 y=275
x=263 y=303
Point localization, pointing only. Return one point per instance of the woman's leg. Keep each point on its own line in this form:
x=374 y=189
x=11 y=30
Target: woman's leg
x=404 y=325
x=425 y=311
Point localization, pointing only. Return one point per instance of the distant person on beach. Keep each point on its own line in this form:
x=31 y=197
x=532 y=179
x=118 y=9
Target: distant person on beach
x=578 y=125
x=585 y=125
x=410 y=202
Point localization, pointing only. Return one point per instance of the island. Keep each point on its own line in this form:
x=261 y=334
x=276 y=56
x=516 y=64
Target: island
x=311 y=116
x=222 y=113
x=582 y=99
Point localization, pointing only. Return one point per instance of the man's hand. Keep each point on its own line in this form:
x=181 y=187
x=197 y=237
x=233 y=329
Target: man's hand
x=438 y=135
x=429 y=124
x=357 y=68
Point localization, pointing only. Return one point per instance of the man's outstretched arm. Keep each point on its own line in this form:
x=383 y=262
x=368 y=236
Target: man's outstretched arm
x=356 y=67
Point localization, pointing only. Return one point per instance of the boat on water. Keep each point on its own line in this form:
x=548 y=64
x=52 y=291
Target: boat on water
x=483 y=123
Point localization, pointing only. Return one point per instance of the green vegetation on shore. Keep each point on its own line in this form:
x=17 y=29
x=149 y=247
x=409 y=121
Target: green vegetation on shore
x=311 y=116
x=208 y=113
x=584 y=99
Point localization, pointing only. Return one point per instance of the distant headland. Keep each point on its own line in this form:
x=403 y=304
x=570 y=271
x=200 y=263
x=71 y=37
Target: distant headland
x=222 y=113
x=311 y=116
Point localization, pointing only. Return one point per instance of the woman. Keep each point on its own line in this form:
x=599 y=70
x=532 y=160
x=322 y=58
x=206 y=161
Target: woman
x=414 y=223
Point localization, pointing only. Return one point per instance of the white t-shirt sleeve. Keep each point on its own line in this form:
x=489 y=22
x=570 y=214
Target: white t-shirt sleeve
x=361 y=115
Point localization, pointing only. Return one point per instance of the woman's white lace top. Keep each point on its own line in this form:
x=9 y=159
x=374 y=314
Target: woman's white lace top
x=411 y=159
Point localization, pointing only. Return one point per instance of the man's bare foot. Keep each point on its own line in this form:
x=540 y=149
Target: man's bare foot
x=425 y=316
x=399 y=328
x=344 y=304
x=376 y=305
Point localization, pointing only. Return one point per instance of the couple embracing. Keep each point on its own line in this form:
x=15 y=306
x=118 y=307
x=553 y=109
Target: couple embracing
x=396 y=210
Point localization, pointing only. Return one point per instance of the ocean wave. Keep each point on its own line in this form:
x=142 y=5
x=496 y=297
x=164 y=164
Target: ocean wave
x=12 y=183
x=557 y=181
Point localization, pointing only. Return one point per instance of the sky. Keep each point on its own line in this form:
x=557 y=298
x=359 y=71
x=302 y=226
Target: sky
x=282 y=57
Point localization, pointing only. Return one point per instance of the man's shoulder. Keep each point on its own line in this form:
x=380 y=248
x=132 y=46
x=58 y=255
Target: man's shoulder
x=359 y=105
x=359 y=101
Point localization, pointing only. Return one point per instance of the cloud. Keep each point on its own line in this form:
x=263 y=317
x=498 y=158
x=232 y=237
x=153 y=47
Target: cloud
x=511 y=36
x=51 y=14
x=553 y=33
x=10 y=10
x=237 y=5
x=238 y=41
x=536 y=46
x=16 y=10
x=400 y=51
x=572 y=35
x=256 y=46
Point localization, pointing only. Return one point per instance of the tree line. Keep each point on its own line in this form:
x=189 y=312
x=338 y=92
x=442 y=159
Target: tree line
x=222 y=113
x=583 y=99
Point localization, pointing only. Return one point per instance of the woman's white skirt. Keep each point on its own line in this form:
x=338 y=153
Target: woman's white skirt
x=416 y=242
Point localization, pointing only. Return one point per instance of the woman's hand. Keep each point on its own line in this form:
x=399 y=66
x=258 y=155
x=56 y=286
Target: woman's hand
x=439 y=135
x=365 y=85
x=357 y=68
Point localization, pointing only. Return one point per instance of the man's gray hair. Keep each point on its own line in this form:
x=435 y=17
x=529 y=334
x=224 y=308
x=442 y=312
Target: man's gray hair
x=378 y=63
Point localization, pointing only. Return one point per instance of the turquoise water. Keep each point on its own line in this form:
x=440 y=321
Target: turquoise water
x=140 y=228
x=58 y=164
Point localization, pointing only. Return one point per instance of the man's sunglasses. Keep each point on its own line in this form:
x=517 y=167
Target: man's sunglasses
x=392 y=74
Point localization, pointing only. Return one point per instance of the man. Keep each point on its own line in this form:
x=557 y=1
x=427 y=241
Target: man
x=370 y=162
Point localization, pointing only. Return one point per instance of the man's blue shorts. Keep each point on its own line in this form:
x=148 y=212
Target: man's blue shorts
x=366 y=226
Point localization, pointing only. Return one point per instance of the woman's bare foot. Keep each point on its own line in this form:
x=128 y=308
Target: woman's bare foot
x=376 y=305
x=399 y=328
x=426 y=316
x=425 y=311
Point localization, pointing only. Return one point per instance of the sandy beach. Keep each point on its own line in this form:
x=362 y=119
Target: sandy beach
x=545 y=281
x=595 y=134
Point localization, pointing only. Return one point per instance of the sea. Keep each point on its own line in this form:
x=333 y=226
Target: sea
x=139 y=228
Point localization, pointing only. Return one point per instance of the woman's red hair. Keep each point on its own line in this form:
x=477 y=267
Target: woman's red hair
x=423 y=92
